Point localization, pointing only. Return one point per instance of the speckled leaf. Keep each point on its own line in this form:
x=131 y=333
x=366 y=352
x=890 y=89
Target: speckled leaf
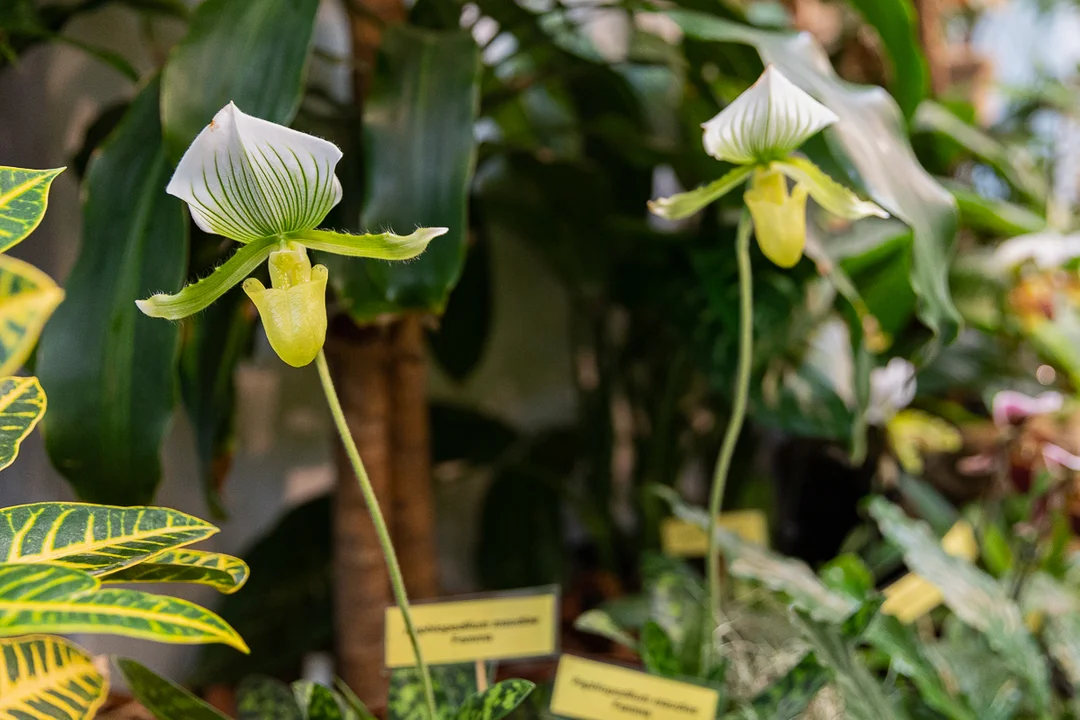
x=318 y=703
x=658 y=651
x=164 y=698
x=96 y=538
x=787 y=698
x=50 y=598
x=224 y=573
x=864 y=698
x=24 y=195
x=496 y=702
x=27 y=299
x=48 y=678
x=22 y=403
x=264 y=698
x=453 y=684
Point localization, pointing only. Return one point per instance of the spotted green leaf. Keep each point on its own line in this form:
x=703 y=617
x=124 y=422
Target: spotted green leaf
x=658 y=651
x=24 y=195
x=27 y=299
x=222 y=572
x=164 y=698
x=99 y=539
x=48 y=678
x=787 y=698
x=453 y=685
x=496 y=702
x=319 y=703
x=55 y=599
x=264 y=698
x=22 y=403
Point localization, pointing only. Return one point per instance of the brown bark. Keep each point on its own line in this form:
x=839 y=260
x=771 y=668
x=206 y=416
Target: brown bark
x=360 y=362
x=932 y=35
x=414 y=503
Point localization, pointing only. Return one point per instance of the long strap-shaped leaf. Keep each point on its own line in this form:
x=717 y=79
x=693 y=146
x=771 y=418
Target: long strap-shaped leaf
x=96 y=538
x=164 y=698
x=51 y=598
x=223 y=572
x=22 y=403
x=48 y=678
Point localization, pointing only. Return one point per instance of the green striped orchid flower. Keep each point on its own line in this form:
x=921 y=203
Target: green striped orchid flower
x=269 y=187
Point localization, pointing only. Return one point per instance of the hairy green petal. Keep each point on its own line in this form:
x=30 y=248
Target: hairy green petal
x=828 y=193
x=199 y=295
x=686 y=204
x=383 y=246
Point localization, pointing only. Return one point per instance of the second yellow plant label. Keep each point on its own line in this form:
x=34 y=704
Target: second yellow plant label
x=911 y=597
x=679 y=538
x=590 y=690
x=497 y=628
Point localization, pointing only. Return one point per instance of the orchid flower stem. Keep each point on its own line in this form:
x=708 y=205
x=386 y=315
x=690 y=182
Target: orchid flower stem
x=392 y=566
x=738 y=409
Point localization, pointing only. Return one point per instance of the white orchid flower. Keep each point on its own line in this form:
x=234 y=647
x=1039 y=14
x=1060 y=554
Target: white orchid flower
x=1045 y=250
x=758 y=132
x=269 y=187
x=892 y=388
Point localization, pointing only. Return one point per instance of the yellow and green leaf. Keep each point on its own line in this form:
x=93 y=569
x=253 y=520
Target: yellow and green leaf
x=22 y=403
x=223 y=572
x=24 y=195
x=27 y=299
x=55 y=599
x=99 y=539
x=48 y=678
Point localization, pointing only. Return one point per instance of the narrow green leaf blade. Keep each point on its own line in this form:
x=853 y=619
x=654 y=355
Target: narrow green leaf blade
x=896 y=22
x=264 y=698
x=164 y=698
x=250 y=53
x=496 y=702
x=22 y=404
x=109 y=371
x=98 y=539
x=420 y=156
x=24 y=195
x=51 y=598
x=27 y=299
x=48 y=678
x=224 y=573
x=685 y=204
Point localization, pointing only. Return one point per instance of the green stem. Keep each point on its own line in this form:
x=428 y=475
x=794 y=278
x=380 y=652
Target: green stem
x=392 y=566
x=738 y=409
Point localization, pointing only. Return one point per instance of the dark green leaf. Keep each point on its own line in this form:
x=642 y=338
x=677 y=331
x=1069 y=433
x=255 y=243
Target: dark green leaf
x=109 y=371
x=162 y=697
x=897 y=22
x=113 y=59
x=496 y=702
x=250 y=53
x=263 y=698
x=316 y=701
x=999 y=217
x=871 y=136
x=658 y=652
x=419 y=154
x=520 y=505
x=453 y=685
x=459 y=343
x=787 y=698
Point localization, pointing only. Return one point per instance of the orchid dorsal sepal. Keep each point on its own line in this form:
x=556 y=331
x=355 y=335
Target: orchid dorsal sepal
x=833 y=197
x=246 y=178
x=381 y=246
x=767 y=122
x=683 y=205
x=199 y=295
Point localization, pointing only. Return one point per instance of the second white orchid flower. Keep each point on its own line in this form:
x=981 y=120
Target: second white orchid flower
x=758 y=132
x=269 y=187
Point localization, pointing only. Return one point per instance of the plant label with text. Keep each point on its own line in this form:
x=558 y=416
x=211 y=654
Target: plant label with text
x=680 y=538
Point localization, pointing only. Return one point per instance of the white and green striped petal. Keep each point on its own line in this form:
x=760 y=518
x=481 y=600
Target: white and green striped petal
x=767 y=122
x=247 y=178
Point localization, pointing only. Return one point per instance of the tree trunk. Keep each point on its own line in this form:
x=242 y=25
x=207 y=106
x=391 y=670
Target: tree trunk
x=360 y=362
x=414 y=504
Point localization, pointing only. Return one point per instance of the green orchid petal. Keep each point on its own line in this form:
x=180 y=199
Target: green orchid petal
x=199 y=295
x=829 y=194
x=383 y=246
x=779 y=217
x=686 y=204
x=293 y=310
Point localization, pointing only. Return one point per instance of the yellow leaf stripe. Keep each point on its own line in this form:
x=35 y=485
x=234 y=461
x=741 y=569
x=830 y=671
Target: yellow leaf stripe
x=223 y=572
x=48 y=678
x=22 y=403
x=24 y=195
x=27 y=299
x=96 y=538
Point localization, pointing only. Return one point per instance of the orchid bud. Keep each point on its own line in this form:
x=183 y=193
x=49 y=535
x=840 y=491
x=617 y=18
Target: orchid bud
x=293 y=309
x=779 y=218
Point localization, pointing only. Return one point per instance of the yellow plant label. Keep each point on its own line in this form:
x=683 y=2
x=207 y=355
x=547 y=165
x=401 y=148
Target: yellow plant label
x=496 y=628
x=679 y=538
x=590 y=690
x=911 y=597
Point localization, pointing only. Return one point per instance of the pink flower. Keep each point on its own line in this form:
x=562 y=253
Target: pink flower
x=1055 y=456
x=1010 y=406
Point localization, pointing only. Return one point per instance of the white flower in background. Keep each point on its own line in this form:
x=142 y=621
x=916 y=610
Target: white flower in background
x=758 y=132
x=892 y=388
x=767 y=122
x=1045 y=250
x=1009 y=406
x=269 y=187
x=247 y=178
